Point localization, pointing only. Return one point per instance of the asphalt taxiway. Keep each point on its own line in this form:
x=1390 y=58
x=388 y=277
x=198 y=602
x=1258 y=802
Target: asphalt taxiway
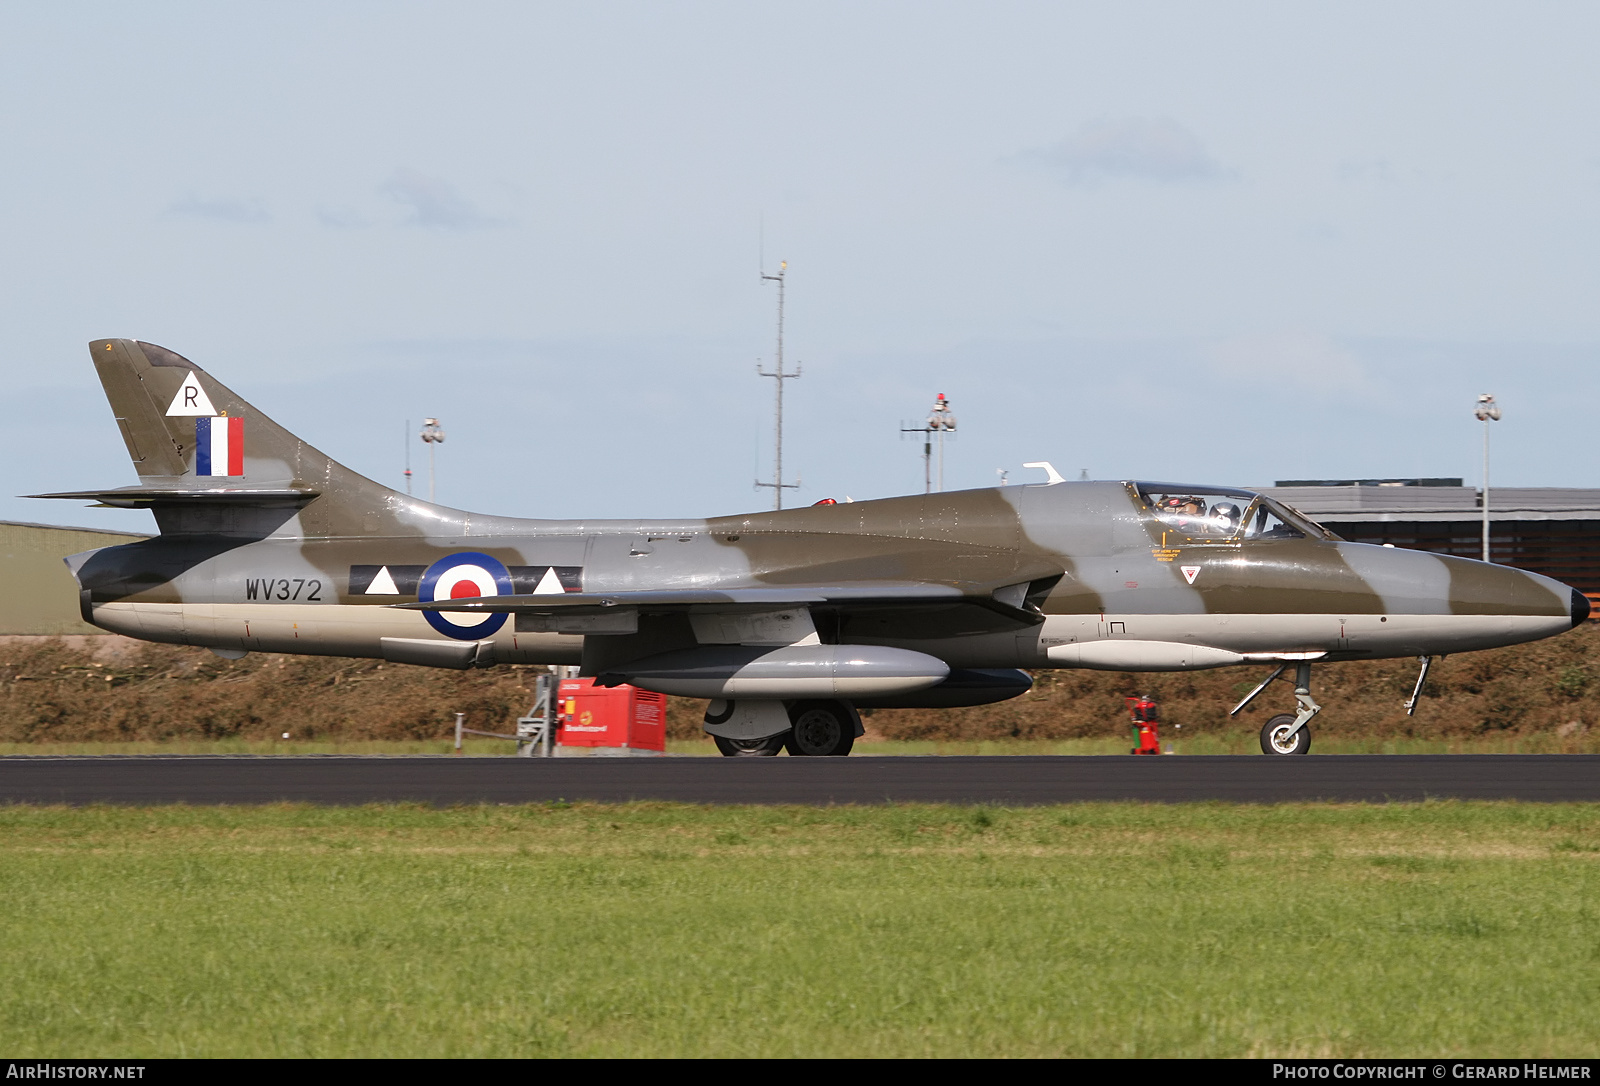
x=1023 y=780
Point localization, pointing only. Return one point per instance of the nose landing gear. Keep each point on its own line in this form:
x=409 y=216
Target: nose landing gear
x=1287 y=733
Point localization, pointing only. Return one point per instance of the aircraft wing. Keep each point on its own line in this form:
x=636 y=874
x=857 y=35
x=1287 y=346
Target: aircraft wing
x=972 y=610
x=679 y=599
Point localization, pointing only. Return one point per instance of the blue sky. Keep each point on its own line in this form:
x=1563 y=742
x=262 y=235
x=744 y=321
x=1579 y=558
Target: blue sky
x=1221 y=242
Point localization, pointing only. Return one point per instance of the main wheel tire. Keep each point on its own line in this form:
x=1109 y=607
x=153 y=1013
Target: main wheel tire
x=751 y=748
x=1273 y=732
x=822 y=729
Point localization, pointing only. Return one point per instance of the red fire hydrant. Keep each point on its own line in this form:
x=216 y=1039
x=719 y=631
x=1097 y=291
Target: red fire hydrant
x=1143 y=711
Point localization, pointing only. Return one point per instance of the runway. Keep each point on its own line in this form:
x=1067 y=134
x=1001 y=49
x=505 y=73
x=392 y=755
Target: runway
x=1016 y=781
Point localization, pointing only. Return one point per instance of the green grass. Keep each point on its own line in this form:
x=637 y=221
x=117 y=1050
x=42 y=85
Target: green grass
x=1428 y=930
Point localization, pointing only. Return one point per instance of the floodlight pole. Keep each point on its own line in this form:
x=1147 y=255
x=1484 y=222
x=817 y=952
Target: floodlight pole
x=940 y=421
x=1486 y=411
x=431 y=436
x=780 y=376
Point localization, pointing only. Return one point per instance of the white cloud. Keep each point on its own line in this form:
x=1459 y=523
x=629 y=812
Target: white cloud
x=434 y=202
x=1313 y=362
x=1150 y=148
x=1371 y=170
x=241 y=211
x=341 y=218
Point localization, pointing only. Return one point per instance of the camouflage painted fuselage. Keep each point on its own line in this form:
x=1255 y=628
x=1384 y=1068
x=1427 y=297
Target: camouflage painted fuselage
x=299 y=554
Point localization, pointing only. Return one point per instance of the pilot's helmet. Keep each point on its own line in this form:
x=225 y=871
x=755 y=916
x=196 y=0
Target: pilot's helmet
x=1227 y=512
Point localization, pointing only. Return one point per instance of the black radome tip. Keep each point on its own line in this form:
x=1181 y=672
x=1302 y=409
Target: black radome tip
x=1580 y=607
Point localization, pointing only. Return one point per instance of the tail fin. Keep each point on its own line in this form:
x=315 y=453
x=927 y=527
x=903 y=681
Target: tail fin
x=190 y=436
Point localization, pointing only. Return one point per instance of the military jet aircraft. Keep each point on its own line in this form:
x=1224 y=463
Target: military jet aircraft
x=787 y=622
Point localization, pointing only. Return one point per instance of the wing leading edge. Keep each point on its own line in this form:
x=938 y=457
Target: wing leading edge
x=1008 y=606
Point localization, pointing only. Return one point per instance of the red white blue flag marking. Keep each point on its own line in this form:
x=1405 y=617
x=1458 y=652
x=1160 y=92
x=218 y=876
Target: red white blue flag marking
x=219 y=446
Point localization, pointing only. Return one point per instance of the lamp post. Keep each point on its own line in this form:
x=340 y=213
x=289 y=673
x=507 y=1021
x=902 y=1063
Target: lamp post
x=941 y=422
x=431 y=436
x=1486 y=412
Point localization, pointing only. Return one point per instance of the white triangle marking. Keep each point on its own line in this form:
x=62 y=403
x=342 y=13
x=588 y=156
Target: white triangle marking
x=1190 y=573
x=383 y=584
x=549 y=584
x=190 y=400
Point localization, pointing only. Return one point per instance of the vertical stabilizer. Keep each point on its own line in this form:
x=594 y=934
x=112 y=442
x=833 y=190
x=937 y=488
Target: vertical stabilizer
x=186 y=431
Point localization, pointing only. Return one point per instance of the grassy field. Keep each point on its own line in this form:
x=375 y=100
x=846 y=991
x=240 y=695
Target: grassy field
x=661 y=930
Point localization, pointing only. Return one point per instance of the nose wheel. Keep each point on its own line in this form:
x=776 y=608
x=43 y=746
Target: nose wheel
x=1280 y=736
x=1286 y=733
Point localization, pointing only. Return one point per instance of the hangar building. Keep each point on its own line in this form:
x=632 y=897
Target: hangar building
x=40 y=596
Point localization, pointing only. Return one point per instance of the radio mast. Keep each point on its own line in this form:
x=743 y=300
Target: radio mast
x=779 y=376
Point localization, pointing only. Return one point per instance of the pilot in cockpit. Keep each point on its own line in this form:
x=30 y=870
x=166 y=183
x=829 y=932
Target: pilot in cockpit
x=1188 y=514
x=1184 y=514
x=1225 y=518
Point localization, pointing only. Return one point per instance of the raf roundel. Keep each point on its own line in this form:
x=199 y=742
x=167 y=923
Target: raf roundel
x=467 y=575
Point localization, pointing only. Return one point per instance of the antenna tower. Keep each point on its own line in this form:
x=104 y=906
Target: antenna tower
x=779 y=376
x=408 y=456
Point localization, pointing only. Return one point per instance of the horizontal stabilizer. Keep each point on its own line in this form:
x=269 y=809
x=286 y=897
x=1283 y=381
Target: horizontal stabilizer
x=143 y=497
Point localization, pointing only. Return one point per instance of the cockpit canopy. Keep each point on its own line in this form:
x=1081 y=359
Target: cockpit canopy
x=1222 y=515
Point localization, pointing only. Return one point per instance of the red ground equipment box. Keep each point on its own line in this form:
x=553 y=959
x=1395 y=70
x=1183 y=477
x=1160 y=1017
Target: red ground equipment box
x=616 y=716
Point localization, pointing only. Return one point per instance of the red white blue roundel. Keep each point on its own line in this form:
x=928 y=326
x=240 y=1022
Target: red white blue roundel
x=464 y=576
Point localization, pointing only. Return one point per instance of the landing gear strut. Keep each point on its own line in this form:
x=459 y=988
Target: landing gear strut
x=1287 y=733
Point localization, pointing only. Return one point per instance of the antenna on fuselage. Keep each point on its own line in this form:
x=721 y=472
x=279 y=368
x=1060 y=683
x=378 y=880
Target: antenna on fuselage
x=1052 y=476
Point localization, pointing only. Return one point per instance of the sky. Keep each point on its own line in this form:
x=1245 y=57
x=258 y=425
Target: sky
x=1222 y=242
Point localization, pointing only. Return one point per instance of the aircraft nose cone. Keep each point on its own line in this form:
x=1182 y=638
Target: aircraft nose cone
x=1580 y=607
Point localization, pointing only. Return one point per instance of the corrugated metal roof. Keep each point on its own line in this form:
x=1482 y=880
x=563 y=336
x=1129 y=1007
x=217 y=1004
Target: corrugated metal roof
x=71 y=528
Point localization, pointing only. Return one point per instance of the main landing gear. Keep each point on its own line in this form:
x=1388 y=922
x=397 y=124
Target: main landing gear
x=817 y=729
x=1287 y=733
x=751 y=748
